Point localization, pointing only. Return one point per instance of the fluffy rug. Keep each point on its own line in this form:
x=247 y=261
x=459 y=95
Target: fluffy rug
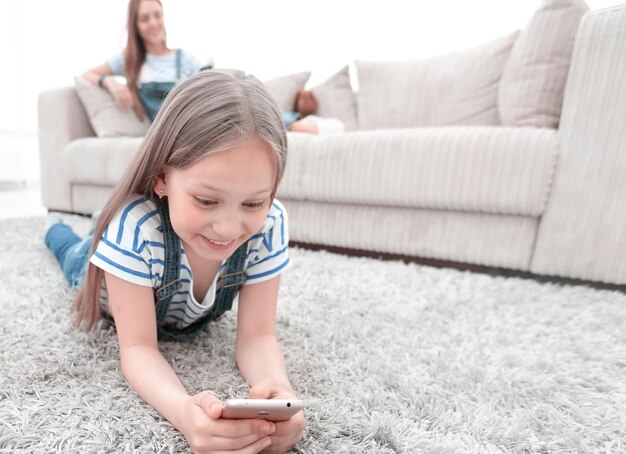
x=388 y=357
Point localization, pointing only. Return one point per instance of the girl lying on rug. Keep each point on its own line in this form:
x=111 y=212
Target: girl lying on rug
x=193 y=221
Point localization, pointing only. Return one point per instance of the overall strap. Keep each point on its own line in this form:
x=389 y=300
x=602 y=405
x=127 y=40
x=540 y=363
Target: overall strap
x=171 y=270
x=228 y=284
x=178 y=58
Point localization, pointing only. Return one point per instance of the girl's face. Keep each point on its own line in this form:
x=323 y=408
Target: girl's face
x=222 y=200
x=306 y=103
x=150 y=22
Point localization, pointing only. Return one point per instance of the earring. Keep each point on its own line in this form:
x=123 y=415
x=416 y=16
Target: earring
x=161 y=194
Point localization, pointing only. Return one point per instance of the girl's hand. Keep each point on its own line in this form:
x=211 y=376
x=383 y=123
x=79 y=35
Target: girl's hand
x=205 y=432
x=298 y=126
x=288 y=433
x=121 y=94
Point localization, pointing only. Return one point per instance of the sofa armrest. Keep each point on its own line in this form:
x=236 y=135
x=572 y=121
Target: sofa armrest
x=62 y=119
x=583 y=231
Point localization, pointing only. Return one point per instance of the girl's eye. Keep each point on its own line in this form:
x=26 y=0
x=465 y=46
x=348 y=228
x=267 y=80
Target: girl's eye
x=254 y=205
x=206 y=202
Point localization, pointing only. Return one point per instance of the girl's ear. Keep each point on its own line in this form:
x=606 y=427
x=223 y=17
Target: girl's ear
x=158 y=185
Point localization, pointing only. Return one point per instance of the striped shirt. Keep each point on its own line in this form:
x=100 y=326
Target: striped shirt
x=132 y=249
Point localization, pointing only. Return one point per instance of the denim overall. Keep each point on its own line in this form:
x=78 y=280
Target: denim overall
x=72 y=253
x=152 y=94
x=228 y=284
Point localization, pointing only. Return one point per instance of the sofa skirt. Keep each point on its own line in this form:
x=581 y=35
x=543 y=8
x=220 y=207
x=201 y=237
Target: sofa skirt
x=485 y=239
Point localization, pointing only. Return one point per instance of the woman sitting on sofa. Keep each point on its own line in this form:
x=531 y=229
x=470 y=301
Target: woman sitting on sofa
x=302 y=118
x=151 y=68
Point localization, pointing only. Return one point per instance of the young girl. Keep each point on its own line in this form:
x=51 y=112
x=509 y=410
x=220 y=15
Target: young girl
x=150 y=67
x=201 y=187
x=303 y=118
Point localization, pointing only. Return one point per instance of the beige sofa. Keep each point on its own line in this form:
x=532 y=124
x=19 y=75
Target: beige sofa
x=548 y=200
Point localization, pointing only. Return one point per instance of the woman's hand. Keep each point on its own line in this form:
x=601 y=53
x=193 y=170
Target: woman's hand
x=288 y=433
x=205 y=432
x=121 y=93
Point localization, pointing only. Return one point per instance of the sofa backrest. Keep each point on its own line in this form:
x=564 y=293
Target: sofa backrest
x=533 y=80
x=454 y=89
x=516 y=81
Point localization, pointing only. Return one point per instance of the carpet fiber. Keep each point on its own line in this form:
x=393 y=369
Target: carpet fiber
x=388 y=357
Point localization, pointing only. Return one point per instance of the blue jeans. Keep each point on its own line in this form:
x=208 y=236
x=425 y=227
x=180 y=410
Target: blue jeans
x=71 y=252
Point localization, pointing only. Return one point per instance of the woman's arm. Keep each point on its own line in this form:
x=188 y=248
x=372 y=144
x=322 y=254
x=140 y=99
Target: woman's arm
x=93 y=75
x=150 y=375
x=120 y=92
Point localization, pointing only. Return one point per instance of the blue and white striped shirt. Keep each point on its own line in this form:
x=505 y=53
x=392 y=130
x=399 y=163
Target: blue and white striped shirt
x=132 y=249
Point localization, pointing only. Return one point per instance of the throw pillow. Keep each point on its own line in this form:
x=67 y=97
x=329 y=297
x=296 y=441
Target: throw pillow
x=454 y=89
x=285 y=88
x=336 y=99
x=107 y=119
x=533 y=80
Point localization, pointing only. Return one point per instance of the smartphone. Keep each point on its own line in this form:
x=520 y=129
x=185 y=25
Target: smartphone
x=268 y=409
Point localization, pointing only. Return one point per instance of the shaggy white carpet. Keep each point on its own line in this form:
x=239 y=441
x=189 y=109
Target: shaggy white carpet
x=389 y=358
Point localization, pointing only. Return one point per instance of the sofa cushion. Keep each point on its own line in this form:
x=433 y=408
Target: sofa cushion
x=285 y=88
x=99 y=161
x=481 y=169
x=533 y=81
x=106 y=118
x=455 y=89
x=336 y=99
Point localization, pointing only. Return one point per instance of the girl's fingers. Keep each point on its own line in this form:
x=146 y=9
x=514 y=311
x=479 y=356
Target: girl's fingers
x=260 y=392
x=252 y=448
x=229 y=435
x=243 y=444
x=239 y=428
x=209 y=403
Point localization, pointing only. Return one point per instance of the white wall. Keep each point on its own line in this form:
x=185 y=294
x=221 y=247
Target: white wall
x=45 y=43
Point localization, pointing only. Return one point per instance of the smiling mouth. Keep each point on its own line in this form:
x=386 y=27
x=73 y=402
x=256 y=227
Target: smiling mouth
x=220 y=243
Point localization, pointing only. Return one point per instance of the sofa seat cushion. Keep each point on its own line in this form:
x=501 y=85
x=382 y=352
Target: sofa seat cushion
x=99 y=161
x=475 y=169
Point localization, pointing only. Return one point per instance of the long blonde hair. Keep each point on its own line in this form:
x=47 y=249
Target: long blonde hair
x=206 y=113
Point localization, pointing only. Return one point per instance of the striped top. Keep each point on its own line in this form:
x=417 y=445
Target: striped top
x=132 y=249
